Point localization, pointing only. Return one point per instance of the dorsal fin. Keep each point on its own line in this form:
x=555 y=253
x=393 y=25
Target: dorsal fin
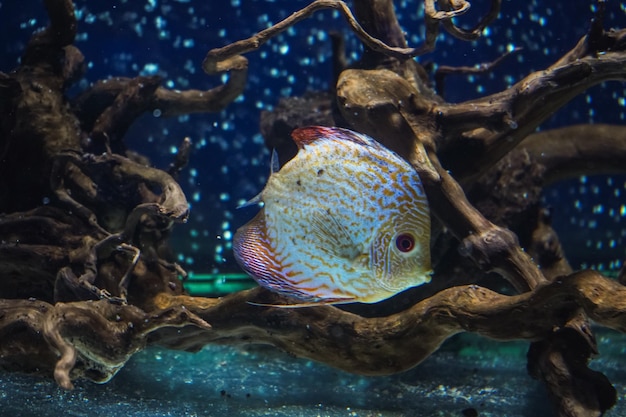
x=306 y=135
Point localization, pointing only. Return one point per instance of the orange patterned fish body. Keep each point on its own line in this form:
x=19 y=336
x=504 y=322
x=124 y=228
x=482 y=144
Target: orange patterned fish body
x=346 y=220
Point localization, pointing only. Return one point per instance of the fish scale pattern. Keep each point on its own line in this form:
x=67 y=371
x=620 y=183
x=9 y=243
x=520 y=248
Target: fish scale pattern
x=332 y=216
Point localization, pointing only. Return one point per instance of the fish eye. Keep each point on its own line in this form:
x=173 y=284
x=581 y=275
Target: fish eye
x=405 y=242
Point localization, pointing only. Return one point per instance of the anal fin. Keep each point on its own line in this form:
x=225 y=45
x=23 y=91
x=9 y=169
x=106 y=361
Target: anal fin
x=322 y=302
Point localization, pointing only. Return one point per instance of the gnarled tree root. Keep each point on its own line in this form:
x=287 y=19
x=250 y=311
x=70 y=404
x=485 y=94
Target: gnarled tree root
x=90 y=339
x=384 y=345
x=372 y=346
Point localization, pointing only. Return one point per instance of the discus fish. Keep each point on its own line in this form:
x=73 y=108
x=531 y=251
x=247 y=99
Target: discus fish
x=346 y=220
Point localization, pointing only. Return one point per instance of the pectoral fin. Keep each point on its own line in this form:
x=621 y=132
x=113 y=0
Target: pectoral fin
x=331 y=236
x=253 y=201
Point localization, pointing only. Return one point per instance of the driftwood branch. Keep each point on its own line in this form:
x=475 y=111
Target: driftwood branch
x=445 y=70
x=230 y=56
x=450 y=9
x=489 y=127
x=578 y=150
x=373 y=346
x=400 y=341
x=101 y=336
